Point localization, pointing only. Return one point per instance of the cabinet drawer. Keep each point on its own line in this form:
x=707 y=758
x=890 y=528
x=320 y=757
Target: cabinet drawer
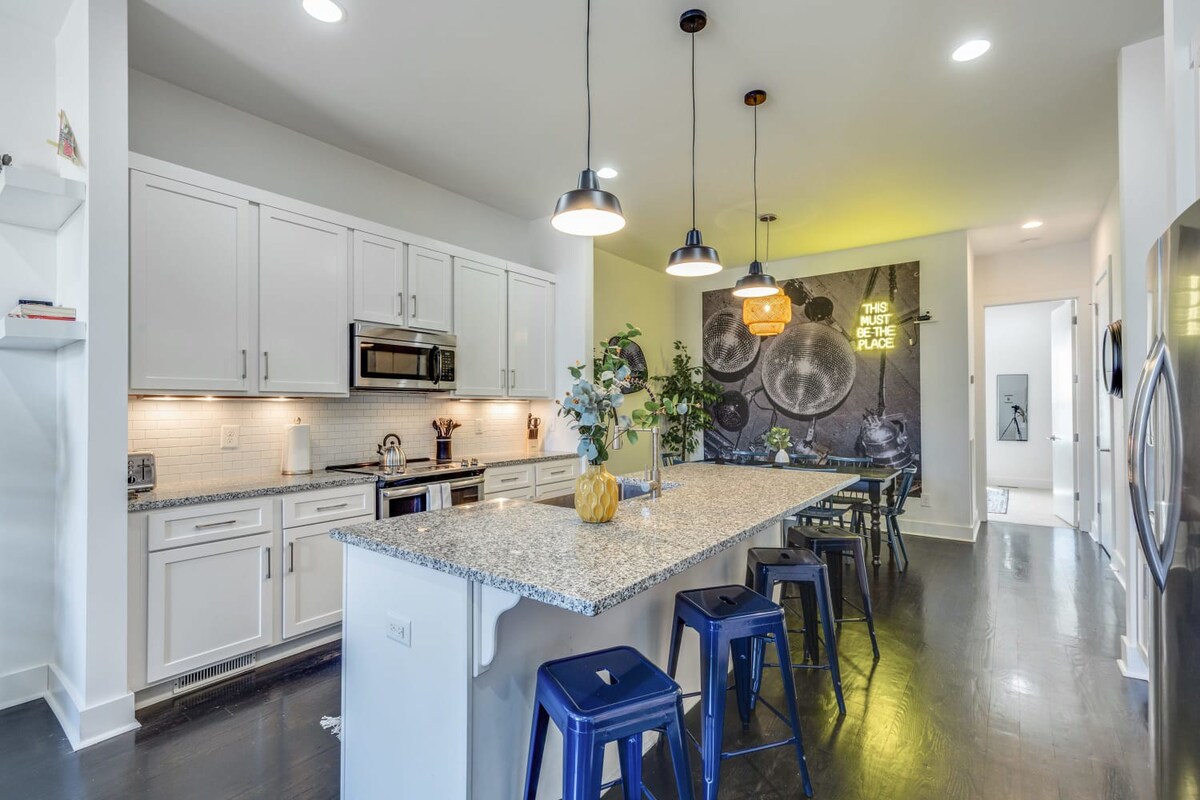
x=505 y=479
x=560 y=489
x=326 y=505
x=209 y=522
x=522 y=493
x=555 y=471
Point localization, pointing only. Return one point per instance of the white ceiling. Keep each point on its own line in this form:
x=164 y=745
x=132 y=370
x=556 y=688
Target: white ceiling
x=870 y=133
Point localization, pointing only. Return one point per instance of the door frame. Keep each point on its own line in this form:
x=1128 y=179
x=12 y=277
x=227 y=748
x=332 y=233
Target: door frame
x=981 y=371
x=1100 y=398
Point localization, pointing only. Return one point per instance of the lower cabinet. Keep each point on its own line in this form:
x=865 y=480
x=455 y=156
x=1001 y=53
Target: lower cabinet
x=312 y=577
x=209 y=602
x=536 y=481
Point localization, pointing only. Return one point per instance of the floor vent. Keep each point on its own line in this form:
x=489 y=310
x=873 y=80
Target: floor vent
x=216 y=672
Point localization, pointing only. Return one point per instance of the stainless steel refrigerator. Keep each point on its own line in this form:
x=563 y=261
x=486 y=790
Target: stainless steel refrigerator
x=1164 y=482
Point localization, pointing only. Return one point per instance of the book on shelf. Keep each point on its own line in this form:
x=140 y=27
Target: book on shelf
x=37 y=309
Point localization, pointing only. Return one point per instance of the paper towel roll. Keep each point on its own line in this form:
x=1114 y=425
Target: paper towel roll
x=297 y=449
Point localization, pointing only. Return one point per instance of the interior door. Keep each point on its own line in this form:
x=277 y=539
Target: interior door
x=1104 y=526
x=1062 y=410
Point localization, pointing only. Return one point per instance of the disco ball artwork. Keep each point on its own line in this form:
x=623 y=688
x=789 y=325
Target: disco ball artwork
x=732 y=411
x=809 y=369
x=729 y=346
x=639 y=373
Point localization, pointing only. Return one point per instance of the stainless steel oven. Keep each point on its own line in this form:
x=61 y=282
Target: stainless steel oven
x=396 y=359
x=396 y=501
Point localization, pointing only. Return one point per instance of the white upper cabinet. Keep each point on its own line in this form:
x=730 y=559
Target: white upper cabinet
x=191 y=261
x=482 y=313
x=430 y=301
x=303 y=330
x=378 y=279
x=530 y=336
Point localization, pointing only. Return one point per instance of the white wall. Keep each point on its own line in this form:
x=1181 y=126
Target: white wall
x=1017 y=342
x=1058 y=272
x=946 y=508
x=185 y=128
x=28 y=425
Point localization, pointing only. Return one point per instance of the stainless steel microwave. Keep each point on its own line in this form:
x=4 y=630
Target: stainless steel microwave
x=386 y=358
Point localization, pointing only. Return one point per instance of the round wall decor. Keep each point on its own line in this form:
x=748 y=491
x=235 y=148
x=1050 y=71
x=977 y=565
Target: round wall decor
x=1110 y=359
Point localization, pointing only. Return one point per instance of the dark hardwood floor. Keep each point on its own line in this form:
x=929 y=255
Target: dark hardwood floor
x=998 y=680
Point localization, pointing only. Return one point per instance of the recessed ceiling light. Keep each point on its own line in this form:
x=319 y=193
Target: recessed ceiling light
x=1033 y=223
x=324 y=10
x=607 y=173
x=969 y=51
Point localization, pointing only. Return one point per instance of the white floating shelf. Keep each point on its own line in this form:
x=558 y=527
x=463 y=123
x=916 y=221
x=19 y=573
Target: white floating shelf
x=38 y=199
x=17 y=333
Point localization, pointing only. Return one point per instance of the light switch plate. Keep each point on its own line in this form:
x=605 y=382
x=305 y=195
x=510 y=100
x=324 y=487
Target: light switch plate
x=399 y=629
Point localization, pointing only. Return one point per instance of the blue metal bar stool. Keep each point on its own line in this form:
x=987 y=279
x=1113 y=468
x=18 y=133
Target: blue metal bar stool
x=728 y=618
x=891 y=515
x=768 y=566
x=834 y=545
x=607 y=696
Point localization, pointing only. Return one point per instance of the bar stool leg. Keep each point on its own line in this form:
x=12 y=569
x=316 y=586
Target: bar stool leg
x=583 y=759
x=758 y=645
x=789 y=688
x=864 y=587
x=679 y=754
x=837 y=564
x=808 y=604
x=894 y=525
x=676 y=640
x=831 y=648
x=743 y=680
x=714 y=676
x=630 y=752
x=537 y=746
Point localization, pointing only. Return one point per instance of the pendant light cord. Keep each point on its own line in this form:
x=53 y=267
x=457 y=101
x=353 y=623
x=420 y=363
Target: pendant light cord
x=768 y=253
x=587 y=73
x=693 y=131
x=756 y=186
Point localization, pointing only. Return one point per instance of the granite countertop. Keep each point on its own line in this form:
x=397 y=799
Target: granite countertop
x=512 y=459
x=171 y=494
x=547 y=554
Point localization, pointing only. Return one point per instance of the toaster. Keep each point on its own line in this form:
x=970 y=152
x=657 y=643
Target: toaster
x=141 y=477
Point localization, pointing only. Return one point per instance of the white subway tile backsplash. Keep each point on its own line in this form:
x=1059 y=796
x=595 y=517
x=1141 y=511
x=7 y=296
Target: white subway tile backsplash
x=185 y=434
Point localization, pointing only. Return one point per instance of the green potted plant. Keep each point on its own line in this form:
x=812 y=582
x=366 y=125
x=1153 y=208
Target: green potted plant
x=593 y=410
x=779 y=439
x=686 y=397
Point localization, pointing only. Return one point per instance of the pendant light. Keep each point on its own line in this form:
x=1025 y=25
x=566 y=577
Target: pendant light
x=767 y=316
x=756 y=282
x=695 y=258
x=588 y=210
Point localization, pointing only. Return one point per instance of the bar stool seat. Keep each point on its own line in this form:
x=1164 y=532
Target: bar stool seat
x=835 y=545
x=768 y=566
x=612 y=695
x=728 y=620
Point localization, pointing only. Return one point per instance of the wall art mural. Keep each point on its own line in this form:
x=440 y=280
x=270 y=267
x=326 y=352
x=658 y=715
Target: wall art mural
x=844 y=377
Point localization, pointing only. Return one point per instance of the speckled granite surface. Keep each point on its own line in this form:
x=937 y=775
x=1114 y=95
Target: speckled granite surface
x=521 y=457
x=183 y=493
x=546 y=553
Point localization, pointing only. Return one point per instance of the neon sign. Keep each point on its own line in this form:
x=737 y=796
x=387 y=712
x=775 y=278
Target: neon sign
x=876 y=327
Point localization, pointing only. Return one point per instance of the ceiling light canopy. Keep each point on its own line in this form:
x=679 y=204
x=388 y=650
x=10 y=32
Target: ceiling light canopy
x=1033 y=224
x=695 y=259
x=588 y=210
x=969 y=51
x=756 y=282
x=324 y=10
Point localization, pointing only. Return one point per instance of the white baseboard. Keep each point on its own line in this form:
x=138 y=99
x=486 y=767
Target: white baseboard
x=939 y=530
x=1117 y=565
x=1132 y=663
x=1020 y=483
x=87 y=726
x=22 y=686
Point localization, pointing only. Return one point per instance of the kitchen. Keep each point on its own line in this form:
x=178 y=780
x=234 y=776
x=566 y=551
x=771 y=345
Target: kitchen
x=328 y=329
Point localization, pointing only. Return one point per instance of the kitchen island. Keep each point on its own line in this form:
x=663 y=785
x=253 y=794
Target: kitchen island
x=448 y=614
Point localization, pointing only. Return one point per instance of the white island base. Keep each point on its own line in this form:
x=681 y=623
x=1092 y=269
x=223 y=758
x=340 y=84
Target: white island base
x=417 y=723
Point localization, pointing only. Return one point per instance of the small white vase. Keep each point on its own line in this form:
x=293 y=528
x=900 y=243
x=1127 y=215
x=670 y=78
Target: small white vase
x=782 y=457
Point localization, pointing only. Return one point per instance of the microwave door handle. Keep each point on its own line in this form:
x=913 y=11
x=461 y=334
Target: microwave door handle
x=1158 y=555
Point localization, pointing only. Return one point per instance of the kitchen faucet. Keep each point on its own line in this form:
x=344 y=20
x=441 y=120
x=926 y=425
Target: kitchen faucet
x=653 y=473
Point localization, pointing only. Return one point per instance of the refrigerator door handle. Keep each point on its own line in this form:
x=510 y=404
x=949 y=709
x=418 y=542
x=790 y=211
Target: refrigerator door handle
x=1158 y=555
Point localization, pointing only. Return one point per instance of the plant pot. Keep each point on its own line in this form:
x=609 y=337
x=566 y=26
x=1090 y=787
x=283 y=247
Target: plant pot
x=782 y=457
x=596 y=494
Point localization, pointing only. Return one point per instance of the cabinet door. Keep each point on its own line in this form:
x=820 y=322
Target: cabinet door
x=190 y=303
x=207 y=603
x=303 y=330
x=530 y=337
x=429 y=298
x=312 y=577
x=480 y=307
x=378 y=279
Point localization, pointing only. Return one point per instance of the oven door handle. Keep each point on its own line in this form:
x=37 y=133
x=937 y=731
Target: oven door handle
x=466 y=483
x=407 y=491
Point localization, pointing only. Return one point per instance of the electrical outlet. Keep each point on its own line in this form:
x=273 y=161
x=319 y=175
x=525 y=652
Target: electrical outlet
x=478 y=427
x=926 y=500
x=399 y=629
x=230 y=436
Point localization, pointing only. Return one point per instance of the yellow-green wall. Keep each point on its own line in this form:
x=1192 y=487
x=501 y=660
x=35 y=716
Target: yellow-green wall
x=628 y=292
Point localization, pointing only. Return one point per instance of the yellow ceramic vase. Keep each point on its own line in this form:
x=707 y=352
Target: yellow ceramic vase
x=596 y=494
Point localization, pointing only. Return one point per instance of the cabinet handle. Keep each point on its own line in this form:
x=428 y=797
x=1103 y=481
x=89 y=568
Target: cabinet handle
x=414 y=305
x=401 y=296
x=291 y=557
x=243 y=365
x=268 y=563
x=331 y=508
x=206 y=525
x=266 y=366
x=512 y=381
x=510 y=480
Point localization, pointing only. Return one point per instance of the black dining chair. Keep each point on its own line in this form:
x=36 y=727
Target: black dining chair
x=892 y=515
x=855 y=502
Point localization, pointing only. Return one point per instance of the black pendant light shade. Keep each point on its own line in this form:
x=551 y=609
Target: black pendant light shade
x=588 y=210
x=755 y=283
x=695 y=258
